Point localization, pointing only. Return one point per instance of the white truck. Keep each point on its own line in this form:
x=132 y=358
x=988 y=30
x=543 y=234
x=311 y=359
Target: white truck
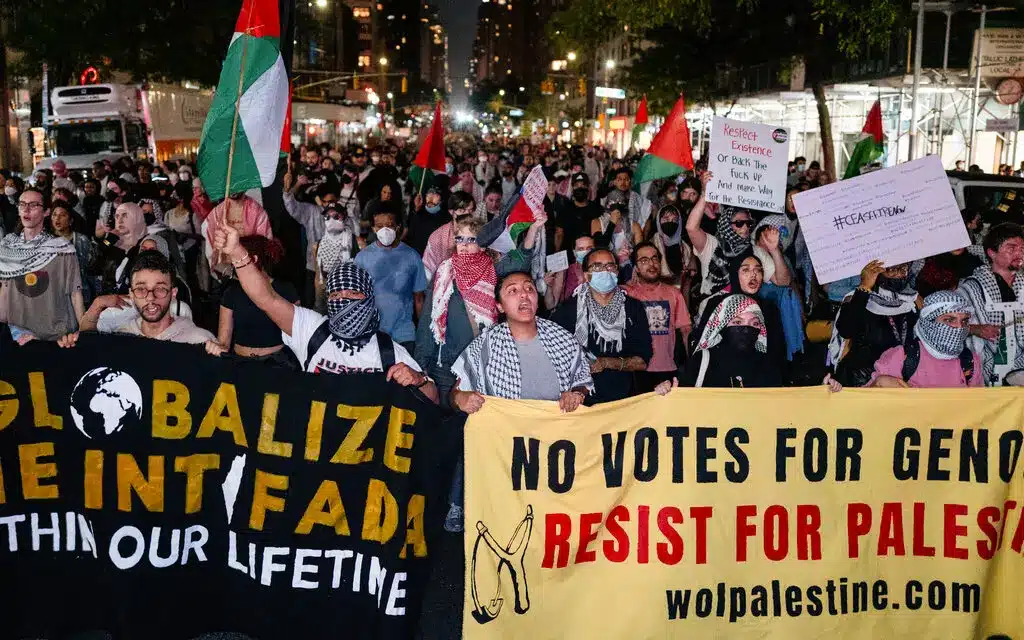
x=106 y=121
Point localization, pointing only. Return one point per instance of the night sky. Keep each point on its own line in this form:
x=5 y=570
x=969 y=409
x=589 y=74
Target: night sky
x=459 y=17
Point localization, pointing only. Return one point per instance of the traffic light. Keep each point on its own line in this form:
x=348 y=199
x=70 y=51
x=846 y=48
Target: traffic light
x=405 y=84
x=581 y=85
x=355 y=82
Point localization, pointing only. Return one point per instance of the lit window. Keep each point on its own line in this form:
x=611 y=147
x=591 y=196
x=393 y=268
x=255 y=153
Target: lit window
x=364 y=61
x=403 y=39
x=361 y=12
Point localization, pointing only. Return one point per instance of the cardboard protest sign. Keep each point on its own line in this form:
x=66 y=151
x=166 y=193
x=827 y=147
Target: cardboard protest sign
x=749 y=163
x=860 y=514
x=149 y=490
x=896 y=215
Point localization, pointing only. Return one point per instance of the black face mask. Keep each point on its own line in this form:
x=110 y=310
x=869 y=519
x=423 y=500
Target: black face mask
x=893 y=284
x=669 y=228
x=345 y=178
x=507 y=173
x=581 y=195
x=740 y=338
x=111 y=196
x=149 y=218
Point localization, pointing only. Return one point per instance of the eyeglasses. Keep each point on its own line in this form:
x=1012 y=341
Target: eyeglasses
x=603 y=266
x=159 y=292
x=465 y=239
x=650 y=260
x=742 y=223
x=30 y=206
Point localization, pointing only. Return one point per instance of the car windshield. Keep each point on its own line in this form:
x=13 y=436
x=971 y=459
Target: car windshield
x=986 y=197
x=86 y=138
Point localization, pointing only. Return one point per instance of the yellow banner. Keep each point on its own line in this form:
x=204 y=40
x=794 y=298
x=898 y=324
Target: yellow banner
x=748 y=514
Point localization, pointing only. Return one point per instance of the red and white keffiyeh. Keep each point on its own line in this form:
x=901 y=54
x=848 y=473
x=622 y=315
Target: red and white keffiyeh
x=724 y=313
x=475 y=276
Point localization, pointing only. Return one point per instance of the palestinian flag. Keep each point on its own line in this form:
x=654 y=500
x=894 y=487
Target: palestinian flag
x=670 y=153
x=286 y=135
x=244 y=126
x=871 y=145
x=430 y=160
x=640 y=121
x=528 y=204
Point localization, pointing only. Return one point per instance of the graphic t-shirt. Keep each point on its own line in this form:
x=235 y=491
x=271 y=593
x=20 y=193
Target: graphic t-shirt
x=666 y=312
x=41 y=301
x=329 y=358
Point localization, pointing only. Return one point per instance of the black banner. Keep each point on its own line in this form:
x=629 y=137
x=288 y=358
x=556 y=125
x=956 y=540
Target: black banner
x=152 y=491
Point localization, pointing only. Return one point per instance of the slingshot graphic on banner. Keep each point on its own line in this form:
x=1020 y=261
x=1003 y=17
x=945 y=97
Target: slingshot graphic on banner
x=508 y=557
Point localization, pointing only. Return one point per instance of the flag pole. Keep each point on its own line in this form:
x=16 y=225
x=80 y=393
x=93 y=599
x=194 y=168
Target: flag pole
x=238 y=106
x=423 y=179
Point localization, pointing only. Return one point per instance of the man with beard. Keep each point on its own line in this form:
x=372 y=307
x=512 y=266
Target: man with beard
x=348 y=340
x=996 y=295
x=152 y=291
x=666 y=314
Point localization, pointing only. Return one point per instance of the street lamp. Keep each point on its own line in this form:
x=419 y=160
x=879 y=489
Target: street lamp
x=571 y=56
x=522 y=89
x=501 y=92
x=384 y=62
x=609 y=64
x=391 y=96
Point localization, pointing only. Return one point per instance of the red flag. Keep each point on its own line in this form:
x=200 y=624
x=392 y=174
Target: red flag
x=431 y=155
x=873 y=124
x=641 y=112
x=286 y=135
x=259 y=19
x=673 y=140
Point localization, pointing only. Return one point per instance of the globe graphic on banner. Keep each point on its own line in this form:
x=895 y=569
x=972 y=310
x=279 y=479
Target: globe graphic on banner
x=106 y=401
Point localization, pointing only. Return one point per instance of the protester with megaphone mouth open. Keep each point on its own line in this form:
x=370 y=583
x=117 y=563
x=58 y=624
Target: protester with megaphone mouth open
x=348 y=340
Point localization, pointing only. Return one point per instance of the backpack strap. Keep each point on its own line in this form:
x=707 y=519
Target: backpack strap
x=387 y=351
x=316 y=341
x=911 y=359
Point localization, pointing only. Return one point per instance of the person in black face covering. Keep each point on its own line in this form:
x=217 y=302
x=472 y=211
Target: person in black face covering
x=732 y=351
x=578 y=211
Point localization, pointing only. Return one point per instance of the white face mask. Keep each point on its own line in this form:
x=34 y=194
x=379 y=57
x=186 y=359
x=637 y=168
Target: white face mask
x=386 y=236
x=10 y=192
x=334 y=226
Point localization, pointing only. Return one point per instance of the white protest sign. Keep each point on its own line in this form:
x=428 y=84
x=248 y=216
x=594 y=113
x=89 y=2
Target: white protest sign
x=896 y=215
x=749 y=162
x=558 y=262
x=535 y=189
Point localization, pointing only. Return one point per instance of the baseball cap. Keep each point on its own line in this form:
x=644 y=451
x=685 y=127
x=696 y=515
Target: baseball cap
x=577 y=177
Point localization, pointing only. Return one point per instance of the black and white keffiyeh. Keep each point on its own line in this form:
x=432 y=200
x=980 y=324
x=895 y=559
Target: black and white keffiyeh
x=883 y=302
x=606 y=323
x=490 y=364
x=981 y=290
x=19 y=257
x=941 y=340
x=730 y=245
x=353 y=322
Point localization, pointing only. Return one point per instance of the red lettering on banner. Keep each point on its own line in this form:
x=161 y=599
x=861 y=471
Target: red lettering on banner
x=987 y=518
x=744 y=529
x=671 y=551
x=557 y=529
x=617 y=549
x=1008 y=506
x=858 y=523
x=643 y=538
x=700 y=516
x=776 y=526
x=920 y=548
x=1018 y=536
x=890 y=535
x=808 y=532
x=952 y=531
x=587 y=535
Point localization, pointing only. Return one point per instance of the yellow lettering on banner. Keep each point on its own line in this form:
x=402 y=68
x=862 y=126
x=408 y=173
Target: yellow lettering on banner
x=93 y=479
x=349 y=451
x=32 y=471
x=223 y=414
x=262 y=500
x=170 y=400
x=380 y=518
x=194 y=466
x=414 y=527
x=315 y=429
x=327 y=509
x=149 y=488
x=266 y=443
x=40 y=406
x=8 y=408
x=397 y=438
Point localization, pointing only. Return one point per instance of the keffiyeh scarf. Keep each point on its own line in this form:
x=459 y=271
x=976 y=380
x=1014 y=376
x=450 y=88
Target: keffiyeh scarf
x=724 y=313
x=475 y=277
x=335 y=249
x=942 y=341
x=353 y=322
x=981 y=290
x=607 y=324
x=490 y=364
x=730 y=245
x=779 y=222
x=20 y=257
x=883 y=302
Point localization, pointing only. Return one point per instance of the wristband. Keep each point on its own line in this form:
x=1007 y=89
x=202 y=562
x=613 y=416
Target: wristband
x=244 y=262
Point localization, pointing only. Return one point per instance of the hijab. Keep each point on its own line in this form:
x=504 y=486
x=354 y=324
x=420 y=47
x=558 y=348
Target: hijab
x=719 y=362
x=353 y=322
x=734 y=273
x=730 y=245
x=942 y=341
x=675 y=238
x=724 y=313
x=135 y=220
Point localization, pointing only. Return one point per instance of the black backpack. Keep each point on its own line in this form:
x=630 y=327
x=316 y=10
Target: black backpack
x=912 y=351
x=319 y=337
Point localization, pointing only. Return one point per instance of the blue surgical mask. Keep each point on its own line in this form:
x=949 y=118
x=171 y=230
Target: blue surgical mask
x=604 y=281
x=580 y=255
x=433 y=208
